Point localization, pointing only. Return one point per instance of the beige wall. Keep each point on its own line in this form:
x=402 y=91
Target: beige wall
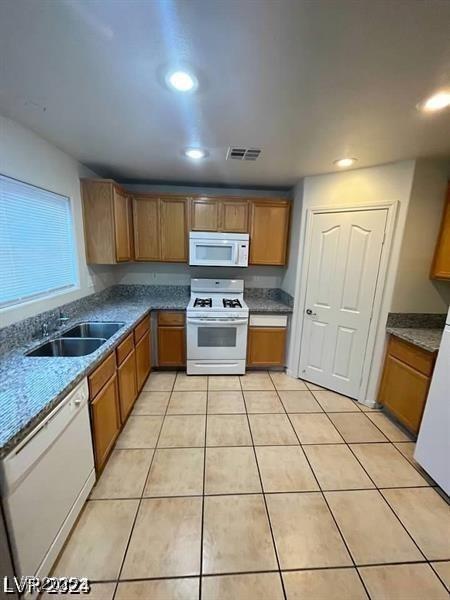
x=29 y=158
x=414 y=291
x=384 y=183
x=290 y=274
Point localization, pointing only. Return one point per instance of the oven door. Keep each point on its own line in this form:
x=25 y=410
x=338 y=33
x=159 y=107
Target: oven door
x=216 y=338
x=213 y=253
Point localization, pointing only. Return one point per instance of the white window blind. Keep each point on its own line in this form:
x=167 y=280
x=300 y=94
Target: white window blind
x=37 y=251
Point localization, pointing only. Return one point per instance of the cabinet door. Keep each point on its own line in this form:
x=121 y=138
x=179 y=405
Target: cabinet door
x=269 y=233
x=441 y=262
x=234 y=216
x=266 y=346
x=122 y=226
x=126 y=375
x=205 y=214
x=171 y=347
x=146 y=228
x=173 y=219
x=105 y=421
x=98 y=220
x=403 y=391
x=143 y=360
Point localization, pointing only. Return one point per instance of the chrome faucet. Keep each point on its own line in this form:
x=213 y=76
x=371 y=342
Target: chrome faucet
x=62 y=317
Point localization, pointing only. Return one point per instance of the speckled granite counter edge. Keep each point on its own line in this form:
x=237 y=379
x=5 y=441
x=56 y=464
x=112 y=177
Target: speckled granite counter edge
x=97 y=357
x=423 y=330
x=425 y=338
x=19 y=337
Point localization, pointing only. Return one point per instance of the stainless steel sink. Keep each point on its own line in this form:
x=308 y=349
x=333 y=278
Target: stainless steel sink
x=68 y=347
x=93 y=329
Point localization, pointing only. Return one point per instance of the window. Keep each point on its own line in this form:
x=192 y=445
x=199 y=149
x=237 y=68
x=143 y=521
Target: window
x=37 y=251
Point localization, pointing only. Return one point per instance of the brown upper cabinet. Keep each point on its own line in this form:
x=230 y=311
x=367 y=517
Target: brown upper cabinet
x=234 y=216
x=146 y=228
x=152 y=227
x=269 y=229
x=205 y=214
x=107 y=222
x=173 y=229
x=219 y=214
x=440 y=269
x=160 y=228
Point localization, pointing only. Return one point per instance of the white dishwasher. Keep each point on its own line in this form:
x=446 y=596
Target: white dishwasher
x=45 y=482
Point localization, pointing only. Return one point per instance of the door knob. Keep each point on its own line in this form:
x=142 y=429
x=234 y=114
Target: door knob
x=310 y=312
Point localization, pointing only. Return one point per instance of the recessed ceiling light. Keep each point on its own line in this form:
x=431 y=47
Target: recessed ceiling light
x=195 y=153
x=344 y=163
x=181 y=81
x=435 y=102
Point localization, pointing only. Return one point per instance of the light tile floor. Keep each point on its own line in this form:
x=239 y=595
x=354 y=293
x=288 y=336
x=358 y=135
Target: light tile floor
x=260 y=487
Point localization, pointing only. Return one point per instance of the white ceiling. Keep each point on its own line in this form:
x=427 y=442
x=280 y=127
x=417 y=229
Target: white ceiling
x=307 y=81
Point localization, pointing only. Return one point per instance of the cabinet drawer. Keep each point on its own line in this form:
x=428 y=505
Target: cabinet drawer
x=100 y=376
x=268 y=320
x=169 y=318
x=141 y=328
x=415 y=357
x=124 y=348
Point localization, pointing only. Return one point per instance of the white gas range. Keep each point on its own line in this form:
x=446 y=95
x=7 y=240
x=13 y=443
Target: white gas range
x=217 y=322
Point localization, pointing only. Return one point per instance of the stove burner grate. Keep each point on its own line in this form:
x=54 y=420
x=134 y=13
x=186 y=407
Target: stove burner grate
x=231 y=303
x=203 y=302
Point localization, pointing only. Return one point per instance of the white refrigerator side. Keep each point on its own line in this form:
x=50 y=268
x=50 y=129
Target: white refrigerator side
x=433 y=444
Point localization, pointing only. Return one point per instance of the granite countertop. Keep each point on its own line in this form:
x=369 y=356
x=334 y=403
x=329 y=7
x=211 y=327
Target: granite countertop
x=421 y=329
x=267 y=305
x=427 y=339
x=31 y=387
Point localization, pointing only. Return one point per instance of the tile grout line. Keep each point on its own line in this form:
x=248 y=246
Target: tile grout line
x=202 y=526
x=142 y=495
x=274 y=571
x=204 y=496
x=328 y=506
x=270 y=493
x=379 y=489
x=446 y=586
x=263 y=495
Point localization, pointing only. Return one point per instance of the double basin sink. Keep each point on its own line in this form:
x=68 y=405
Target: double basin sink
x=79 y=340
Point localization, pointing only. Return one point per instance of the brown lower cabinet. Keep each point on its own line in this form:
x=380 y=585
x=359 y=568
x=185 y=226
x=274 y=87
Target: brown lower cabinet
x=266 y=346
x=114 y=386
x=405 y=381
x=105 y=420
x=171 y=339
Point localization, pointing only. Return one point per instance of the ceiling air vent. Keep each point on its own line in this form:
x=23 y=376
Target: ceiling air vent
x=238 y=153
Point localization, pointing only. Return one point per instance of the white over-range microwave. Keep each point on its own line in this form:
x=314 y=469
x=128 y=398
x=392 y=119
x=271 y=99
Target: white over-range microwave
x=218 y=249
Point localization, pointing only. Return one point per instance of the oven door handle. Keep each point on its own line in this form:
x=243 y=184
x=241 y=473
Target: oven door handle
x=216 y=321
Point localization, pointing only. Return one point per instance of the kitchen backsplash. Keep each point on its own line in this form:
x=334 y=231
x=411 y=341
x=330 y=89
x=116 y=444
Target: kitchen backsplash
x=24 y=331
x=31 y=328
x=181 y=274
